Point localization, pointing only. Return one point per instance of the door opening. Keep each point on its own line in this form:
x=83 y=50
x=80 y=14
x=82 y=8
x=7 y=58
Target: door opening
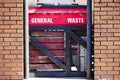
x=57 y=40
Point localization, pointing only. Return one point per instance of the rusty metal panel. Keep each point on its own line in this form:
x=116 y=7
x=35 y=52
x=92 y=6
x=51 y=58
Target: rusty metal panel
x=46 y=33
x=42 y=67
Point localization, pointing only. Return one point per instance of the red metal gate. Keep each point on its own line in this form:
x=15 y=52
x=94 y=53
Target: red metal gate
x=57 y=40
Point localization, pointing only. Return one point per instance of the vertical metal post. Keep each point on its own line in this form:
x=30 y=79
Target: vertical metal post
x=78 y=58
x=26 y=40
x=68 y=54
x=89 y=35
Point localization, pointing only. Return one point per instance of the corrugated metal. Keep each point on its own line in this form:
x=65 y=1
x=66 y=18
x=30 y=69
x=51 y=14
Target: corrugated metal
x=56 y=1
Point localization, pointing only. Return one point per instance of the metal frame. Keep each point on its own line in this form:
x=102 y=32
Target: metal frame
x=47 y=53
x=89 y=38
x=59 y=74
x=89 y=50
x=66 y=69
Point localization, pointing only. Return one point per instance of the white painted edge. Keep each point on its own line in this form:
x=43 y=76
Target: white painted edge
x=27 y=40
x=55 y=79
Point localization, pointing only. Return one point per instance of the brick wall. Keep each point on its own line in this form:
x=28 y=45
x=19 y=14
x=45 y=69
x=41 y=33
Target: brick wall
x=107 y=39
x=11 y=39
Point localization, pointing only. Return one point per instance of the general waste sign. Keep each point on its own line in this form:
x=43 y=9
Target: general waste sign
x=39 y=16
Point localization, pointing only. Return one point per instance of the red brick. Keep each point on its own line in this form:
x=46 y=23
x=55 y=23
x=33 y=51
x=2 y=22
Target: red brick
x=19 y=13
x=116 y=8
x=115 y=30
x=4 y=52
x=107 y=34
x=96 y=51
x=19 y=56
x=113 y=22
x=4 y=9
x=113 y=55
x=100 y=72
x=9 y=30
x=16 y=18
x=16 y=9
x=97 y=34
x=97 y=68
x=4 y=69
x=4 y=18
x=113 y=13
x=10 y=39
x=96 y=9
x=107 y=51
x=4 y=35
x=106 y=26
x=106 y=8
x=113 y=47
x=10 y=73
x=97 y=26
x=117 y=68
x=17 y=77
x=9 y=22
x=116 y=34
x=1 y=13
x=100 y=55
x=100 y=30
x=107 y=1
x=114 y=4
x=100 y=64
x=16 y=1
x=113 y=64
x=4 y=1
x=20 y=5
x=100 y=13
x=20 y=22
x=117 y=59
x=4 y=26
x=107 y=43
x=10 y=56
x=116 y=25
x=116 y=51
x=100 y=47
x=19 y=31
x=9 y=5
x=1 y=5
x=16 y=26
x=116 y=0
x=112 y=38
x=5 y=43
x=19 y=39
x=16 y=52
x=10 y=14
x=107 y=60
x=16 y=35
x=9 y=47
x=117 y=77
x=4 y=61
x=10 y=65
x=100 y=4
x=96 y=60
x=110 y=76
x=107 y=68
x=116 y=17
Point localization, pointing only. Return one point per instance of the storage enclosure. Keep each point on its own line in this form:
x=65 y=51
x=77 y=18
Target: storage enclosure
x=58 y=40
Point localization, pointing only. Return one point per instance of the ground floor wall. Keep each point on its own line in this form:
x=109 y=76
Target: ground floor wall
x=106 y=18
x=11 y=39
x=107 y=39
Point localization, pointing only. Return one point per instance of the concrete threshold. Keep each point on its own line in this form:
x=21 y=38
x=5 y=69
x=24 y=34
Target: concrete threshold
x=56 y=79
